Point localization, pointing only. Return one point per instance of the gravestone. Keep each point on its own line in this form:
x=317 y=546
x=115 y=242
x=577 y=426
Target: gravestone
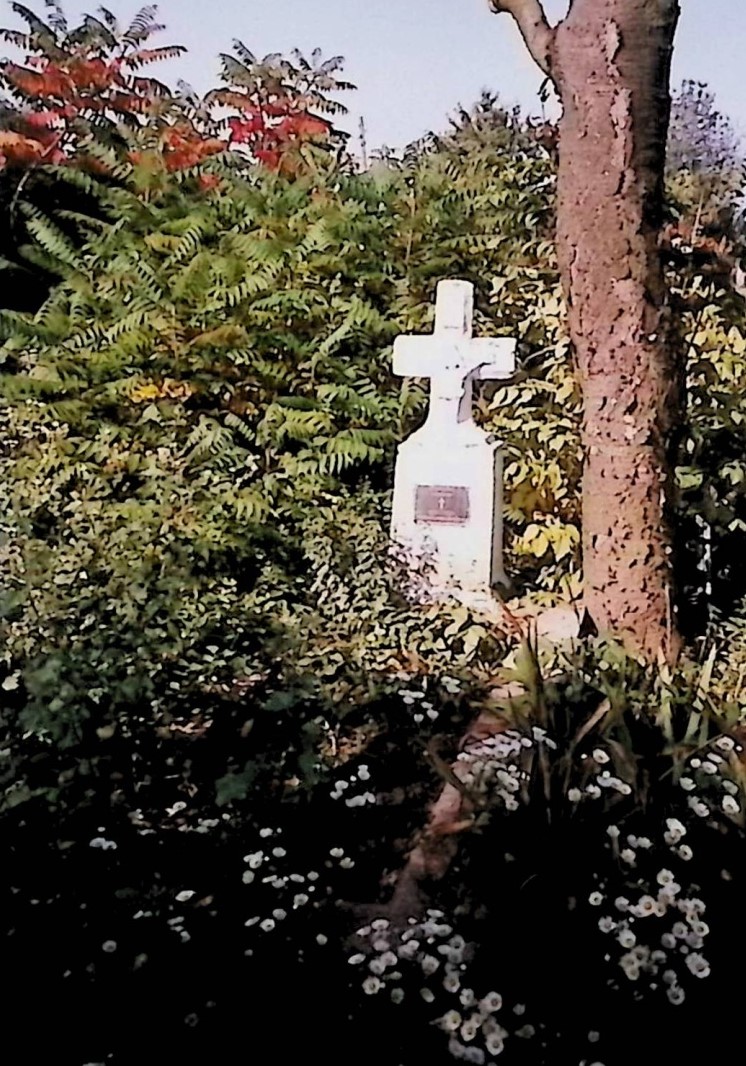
x=447 y=509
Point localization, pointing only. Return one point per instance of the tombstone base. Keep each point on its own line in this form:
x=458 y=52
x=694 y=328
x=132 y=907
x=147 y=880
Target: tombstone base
x=447 y=515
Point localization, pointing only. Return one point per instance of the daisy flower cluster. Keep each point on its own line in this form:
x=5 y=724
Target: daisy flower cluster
x=656 y=929
x=431 y=961
x=496 y=766
x=710 y=791
x=277 y=890
x=354 y=790
x=416 y=699
x=600 y=782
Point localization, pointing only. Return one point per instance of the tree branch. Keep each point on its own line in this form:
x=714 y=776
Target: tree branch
x=531 y=19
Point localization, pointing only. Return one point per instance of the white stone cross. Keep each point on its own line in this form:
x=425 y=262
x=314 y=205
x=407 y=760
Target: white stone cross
x=447 y=506
x=452 y=358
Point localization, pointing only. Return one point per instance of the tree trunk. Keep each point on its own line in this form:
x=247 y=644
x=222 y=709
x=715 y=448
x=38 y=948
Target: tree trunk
x=610 y=61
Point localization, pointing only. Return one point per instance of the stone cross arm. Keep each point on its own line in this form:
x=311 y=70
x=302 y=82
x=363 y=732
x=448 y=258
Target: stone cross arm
x=482 y=359
x=453 y=359
x=450 y=348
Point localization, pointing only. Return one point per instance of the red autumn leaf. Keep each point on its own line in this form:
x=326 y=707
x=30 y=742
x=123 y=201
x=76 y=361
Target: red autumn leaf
x=41 y=119
x=127 y=103
x=310 y=126
x=51 y=83
x=269 y=158
x=301 y=127
x=278 y=108
x=19 y=149
x=47 y=137
x=244 y=130
x=93 y=74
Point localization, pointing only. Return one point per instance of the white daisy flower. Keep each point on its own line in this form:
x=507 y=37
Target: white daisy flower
x=495 y=1044
x=675 y=830
x=468 y=1031
x=646 y=907
x=491 y=1003
x=698 y=965
x=626 y=938
x=700 y=928
x=451 y=1021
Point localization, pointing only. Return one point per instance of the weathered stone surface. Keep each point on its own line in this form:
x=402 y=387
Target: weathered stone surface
x=448 y=485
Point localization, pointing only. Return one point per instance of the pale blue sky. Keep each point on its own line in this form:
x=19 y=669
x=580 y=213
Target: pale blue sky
x=415 y=60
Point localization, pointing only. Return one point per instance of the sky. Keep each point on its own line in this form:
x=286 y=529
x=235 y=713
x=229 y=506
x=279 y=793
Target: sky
x=414 y=61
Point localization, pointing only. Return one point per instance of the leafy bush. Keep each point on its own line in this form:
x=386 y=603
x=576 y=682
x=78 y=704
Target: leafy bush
x=212 y=371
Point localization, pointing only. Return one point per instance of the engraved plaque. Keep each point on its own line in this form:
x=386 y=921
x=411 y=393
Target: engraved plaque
x=446 y=504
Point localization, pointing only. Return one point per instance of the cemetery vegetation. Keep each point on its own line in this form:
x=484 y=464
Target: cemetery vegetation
x=225 y=726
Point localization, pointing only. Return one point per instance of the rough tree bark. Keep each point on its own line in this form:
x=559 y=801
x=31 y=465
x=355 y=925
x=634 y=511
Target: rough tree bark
x=610 y=62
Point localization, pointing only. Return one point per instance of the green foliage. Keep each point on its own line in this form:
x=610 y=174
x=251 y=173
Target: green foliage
x=200 y=422
x=203 y=399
